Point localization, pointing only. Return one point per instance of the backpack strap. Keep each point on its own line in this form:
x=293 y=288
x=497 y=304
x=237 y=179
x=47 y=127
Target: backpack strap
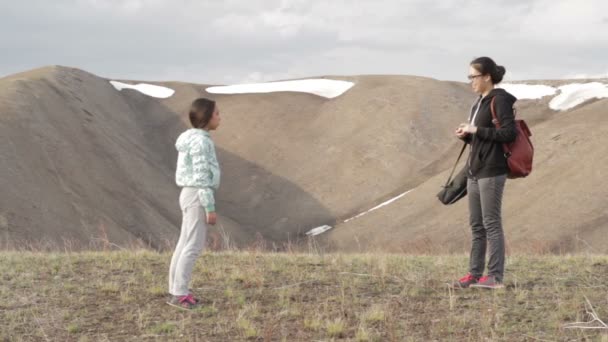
x=495 y=121
x=494 y=118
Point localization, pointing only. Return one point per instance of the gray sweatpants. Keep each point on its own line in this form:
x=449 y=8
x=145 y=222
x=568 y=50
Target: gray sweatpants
x=485 y=202
x=190 y=244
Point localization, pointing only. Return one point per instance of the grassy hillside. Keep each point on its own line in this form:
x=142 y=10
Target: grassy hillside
x=119 y=296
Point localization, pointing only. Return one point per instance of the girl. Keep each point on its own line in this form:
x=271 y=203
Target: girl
x=198 y=173
x=487 y=171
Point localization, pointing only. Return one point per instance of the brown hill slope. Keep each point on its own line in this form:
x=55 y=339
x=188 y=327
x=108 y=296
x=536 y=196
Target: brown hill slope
x=80 y=160
x=385 y=134
x=560 y=207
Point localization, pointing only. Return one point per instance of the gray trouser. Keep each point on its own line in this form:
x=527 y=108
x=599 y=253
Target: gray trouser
x=485 y=202
x=190 y=244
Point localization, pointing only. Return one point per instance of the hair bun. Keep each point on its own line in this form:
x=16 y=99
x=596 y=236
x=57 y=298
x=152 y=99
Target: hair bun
x=500 y=70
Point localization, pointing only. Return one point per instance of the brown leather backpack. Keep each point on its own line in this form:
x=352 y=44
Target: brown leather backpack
x=520 y=152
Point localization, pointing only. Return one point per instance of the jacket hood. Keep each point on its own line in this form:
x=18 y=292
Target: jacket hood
x=187 y=140
x=503 y=93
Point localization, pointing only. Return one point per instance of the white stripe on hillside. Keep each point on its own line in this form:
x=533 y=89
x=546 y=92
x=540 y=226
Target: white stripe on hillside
x=320 y=87
x=572 y=95
x=146 y=89
x=379 y=206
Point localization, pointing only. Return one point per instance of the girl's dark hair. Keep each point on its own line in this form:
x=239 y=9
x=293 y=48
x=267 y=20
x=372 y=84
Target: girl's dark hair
x=486 y=66
x=201 y=112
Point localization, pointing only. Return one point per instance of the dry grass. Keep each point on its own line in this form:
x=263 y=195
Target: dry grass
x=116 y=296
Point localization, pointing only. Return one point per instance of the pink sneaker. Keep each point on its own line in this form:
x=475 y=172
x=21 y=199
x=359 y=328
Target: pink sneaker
x=187 y=302
x=488 y=282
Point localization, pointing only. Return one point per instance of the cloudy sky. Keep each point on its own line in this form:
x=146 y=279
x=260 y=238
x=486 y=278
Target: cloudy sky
x=237 y=41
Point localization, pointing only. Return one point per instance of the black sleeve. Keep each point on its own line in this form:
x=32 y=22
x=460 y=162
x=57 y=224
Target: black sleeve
x=466 y=139
x=507 y=131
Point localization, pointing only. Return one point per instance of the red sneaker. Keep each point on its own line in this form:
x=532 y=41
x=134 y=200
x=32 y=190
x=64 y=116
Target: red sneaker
x=488 y=282
x=464 y=282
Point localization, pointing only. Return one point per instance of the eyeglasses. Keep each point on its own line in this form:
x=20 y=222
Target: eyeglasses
x=472 y=77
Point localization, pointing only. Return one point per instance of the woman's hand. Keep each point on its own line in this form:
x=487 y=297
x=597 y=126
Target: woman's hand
x=211 y=218
x=460 y=133
x=464 y=129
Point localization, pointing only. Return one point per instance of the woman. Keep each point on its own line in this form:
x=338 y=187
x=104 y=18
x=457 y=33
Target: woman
x=198 y=173
x=487 y=172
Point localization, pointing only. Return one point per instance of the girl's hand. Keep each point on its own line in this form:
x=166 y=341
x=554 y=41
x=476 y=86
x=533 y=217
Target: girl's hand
x=211 y=218
x=466 y=128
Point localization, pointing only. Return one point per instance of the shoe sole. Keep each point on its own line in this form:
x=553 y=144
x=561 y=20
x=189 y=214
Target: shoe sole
x=197 y=300
x=181 y=307
x=491 y=287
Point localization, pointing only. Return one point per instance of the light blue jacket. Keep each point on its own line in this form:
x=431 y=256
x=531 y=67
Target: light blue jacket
x=197 y=165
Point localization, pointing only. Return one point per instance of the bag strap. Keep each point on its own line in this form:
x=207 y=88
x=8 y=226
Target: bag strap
x=505 y=147
x=454 y=168
x=494 y=118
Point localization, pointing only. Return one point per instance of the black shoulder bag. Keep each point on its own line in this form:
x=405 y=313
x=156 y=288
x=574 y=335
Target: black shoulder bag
x=456 y=188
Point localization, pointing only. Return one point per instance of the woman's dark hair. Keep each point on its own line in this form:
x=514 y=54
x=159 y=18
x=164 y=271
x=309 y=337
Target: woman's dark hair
x=201 y=112
x=486 y=66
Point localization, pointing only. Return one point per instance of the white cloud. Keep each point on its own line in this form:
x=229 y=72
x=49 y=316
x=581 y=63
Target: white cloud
x=129 y=7
x=230 y=41
x=258 y=77
x=563 y=21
